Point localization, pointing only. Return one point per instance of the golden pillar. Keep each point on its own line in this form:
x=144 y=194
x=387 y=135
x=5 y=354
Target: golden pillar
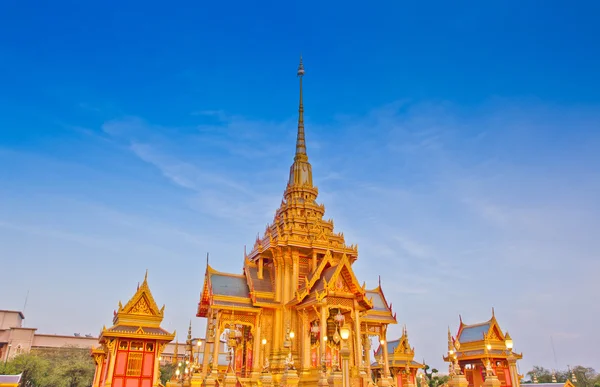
x=277 y=334
x=205 y=355
x=217 y=343
x=367 y=355
x=383 y=340
x=322 y=358
x=278 y=276
x=156 y=367
x=295 y=271
x=512 y=367
x=288 y=277
x=99 y=360
x=305 y=342
x=207 y=340
x=112 y=353
x=323 y=330
x=256 y=346
x=357 y=335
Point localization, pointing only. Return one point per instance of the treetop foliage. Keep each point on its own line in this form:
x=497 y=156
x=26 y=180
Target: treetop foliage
x=60 y=367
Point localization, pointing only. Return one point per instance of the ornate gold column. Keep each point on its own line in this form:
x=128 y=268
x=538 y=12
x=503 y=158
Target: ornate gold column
x=305 y=341
x=99 y=360
x=323 y=332
x=279 y=279
x=206 y=356
x=323 y=329
x=358 y=337
x=287 y=279
x=367 y=339
x=159 y=349
x=112 y=352
x=217 y=344
x=276 y=348
x=512 y=368
x=295 y=272
x=256 y=347
x=207 y=340
x=386 y=366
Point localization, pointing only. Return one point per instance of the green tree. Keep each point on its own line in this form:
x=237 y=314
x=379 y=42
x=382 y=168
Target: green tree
x=32 y=367
x=432 y=378
x=71 y=367
x=63 y=367
x=544 y=375
x=166 y=372
x=586 y=376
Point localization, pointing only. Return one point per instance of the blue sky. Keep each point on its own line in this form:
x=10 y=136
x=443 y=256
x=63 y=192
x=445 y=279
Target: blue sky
x=456 y=143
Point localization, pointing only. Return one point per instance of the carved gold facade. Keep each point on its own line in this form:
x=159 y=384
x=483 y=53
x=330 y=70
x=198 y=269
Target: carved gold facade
x=287 y=314
x=129 y=351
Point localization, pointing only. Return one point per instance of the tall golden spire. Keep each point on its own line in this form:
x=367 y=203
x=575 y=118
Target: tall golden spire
x=300 y=141
x=301 y=170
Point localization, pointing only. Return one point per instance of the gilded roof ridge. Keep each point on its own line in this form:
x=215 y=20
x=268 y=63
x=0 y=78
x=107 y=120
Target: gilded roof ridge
x=213 y=271
x=479 y=323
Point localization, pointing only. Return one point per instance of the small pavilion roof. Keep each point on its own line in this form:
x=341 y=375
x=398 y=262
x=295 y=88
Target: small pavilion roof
x=139 y=318
x=229 y=285
x=230 y=291
x=381 y=311
x=391 y=346
x=475 y=332
x=10 y=379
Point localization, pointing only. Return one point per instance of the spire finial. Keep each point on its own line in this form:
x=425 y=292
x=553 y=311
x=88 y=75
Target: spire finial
x=300 y=67
x=301 y=170
x=300 y=141
x=146 y=276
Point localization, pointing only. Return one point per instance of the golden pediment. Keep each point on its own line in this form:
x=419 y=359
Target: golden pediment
x=142 y=308
x=141 y=304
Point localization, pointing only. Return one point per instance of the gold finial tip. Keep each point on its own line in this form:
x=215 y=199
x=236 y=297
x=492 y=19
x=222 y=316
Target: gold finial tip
x=300 y=67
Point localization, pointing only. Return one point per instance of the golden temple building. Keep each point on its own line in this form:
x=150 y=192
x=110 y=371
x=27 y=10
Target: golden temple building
x=130 y=350
x=403 y=368
x=483 y=354
x=296 y=314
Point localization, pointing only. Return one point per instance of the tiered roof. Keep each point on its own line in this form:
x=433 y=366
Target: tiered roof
x=400 y=353
x=471 y=340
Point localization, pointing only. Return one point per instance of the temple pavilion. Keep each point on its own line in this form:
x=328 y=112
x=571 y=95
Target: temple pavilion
x=401 y=364
x=129 y=351
x=297 y=304
x=482 y=351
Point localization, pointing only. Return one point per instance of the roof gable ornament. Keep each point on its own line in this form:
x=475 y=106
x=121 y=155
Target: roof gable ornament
x=141 y=307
